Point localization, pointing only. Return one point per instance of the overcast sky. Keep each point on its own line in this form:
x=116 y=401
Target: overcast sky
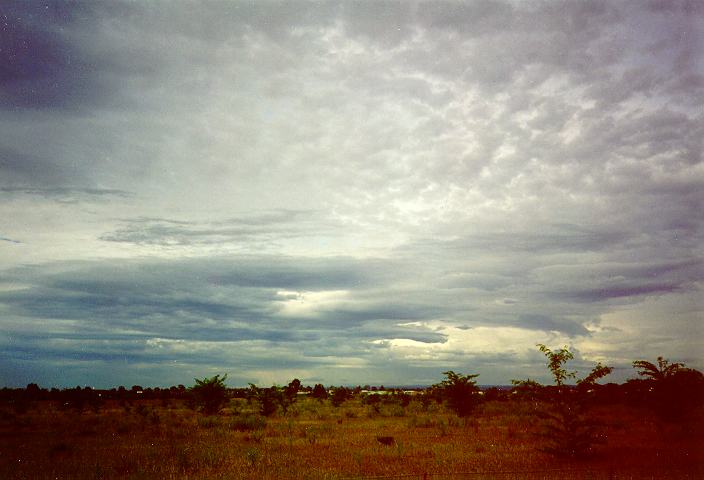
x=347 y=193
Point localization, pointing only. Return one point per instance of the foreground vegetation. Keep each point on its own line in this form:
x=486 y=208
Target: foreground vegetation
x=153 y=439
x=648 y=428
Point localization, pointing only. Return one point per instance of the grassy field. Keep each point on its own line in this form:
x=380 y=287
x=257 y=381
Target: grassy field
x=155 y=439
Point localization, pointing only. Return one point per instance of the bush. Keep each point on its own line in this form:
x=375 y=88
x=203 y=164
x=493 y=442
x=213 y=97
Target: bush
x=209 y=422
x=246 y=423
x=209 y=394
x=460 y=392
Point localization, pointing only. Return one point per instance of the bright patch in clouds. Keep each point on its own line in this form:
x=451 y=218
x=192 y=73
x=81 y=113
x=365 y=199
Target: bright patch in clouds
x=302 y=304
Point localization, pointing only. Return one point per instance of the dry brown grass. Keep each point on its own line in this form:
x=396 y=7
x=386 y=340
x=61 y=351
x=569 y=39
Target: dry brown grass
x=318 y=441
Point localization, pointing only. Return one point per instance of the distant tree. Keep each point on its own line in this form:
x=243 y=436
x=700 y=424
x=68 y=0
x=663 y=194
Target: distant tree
x=291 y=392
x=526 y=389
x=79 y=398
x=33 y=391
x=269 y=399
x=374 y=401
x=460 y=392
x=568 y=430
x=319 y=392
x=339 y=396
x=493 y=394
x=209 y=394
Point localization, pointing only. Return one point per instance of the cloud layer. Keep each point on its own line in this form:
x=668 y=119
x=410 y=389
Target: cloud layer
x=348 y=192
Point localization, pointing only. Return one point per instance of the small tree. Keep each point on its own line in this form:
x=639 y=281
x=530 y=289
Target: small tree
x=459 y=391
x=568 y=430
x=209 y=394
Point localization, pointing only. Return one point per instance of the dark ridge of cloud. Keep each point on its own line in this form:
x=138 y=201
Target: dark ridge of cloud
x=247 y=271
x=68 y=194
x=602 y=283
x=280 y=215
x=379 y=332
x=147 y=220
x=483 y=281
x=6 y=239
x=689 y=270
x=549 y=323
x=47 y=304
x=96 y=353
x=618 y=292
x=198 y=299
x=274 y=225
x=168 y=329
x=291 y=273
x=548 y=239
x=389 y=311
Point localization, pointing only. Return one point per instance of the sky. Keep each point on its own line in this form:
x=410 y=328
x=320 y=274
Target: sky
x=348 y=192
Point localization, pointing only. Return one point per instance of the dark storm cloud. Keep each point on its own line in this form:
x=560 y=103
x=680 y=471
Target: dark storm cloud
x=41 y=66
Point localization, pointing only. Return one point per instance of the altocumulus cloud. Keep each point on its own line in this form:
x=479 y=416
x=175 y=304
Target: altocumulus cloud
x=347 y=192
